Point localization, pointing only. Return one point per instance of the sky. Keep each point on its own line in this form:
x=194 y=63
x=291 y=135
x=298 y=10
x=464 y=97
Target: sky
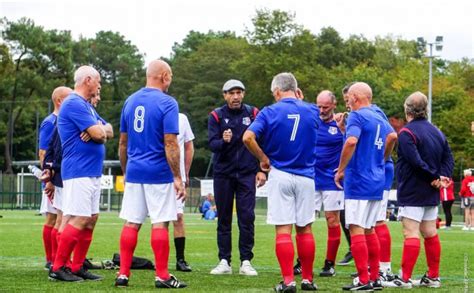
x=154 y=26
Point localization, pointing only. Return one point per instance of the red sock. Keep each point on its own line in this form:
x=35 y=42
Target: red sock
x=285 y=253
x=128 y=242
x=373 y=248
x=47 y=242
x=66 y=244
x=334 y=239
x=433 y=255
x=411 y=250
x=383 y=233
x=306 y=249
x=361 y=256
x=161 y=248
x=58 y=238
x=80 y=251
x=54 y=243
x=68 y=262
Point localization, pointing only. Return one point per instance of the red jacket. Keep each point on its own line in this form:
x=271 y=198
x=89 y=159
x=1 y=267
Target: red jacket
x=448 y=192
x=467 y=187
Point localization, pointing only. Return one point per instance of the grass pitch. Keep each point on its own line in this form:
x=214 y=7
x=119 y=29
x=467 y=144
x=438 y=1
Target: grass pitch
x=22 y=261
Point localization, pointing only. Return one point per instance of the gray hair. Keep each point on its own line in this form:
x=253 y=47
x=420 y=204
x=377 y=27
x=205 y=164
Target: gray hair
x=467 y=172
x=327 y=93
x=416 y=105
x=84 y=72
x=284 y=81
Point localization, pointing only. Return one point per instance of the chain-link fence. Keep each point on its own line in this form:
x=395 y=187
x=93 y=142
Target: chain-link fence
x=24 y=191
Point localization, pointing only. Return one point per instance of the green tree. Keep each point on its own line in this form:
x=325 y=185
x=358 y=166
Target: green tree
x=272 y=27
x=194 y=39
x=41 y=61
x=6 y=83
x=357 y=49
x=121 y=67
x=331 y=47
x=277 y=44
x=33 y=61
x=197 y=83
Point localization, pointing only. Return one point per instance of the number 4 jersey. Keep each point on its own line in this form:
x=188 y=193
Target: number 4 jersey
x=287 y=132
x=148 y=115
x=365 y=174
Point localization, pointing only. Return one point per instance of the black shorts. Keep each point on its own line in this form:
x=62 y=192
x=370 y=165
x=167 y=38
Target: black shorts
x=467 y=202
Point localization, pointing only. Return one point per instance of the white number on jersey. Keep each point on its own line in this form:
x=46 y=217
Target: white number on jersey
x=378 y=140
x=139 y=121
x=296 y=117
x=471 y=187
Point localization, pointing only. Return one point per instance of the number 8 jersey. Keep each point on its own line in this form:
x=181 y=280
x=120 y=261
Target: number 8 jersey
x=148 y=115
x=365 y=174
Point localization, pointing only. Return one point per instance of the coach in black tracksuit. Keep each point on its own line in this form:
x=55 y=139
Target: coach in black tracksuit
x=236 y=172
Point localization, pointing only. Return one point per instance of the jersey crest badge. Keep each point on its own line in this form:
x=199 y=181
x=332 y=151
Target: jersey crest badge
x=332 y=130
x=246 y=121
x=226 y=120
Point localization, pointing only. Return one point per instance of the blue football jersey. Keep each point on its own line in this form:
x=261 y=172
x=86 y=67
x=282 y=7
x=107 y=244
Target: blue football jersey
x=80 y=159
x=147 y=116
x=389 y=174
x=389 y=168
x=365 y=174
x=46 y=131
x=286 y=130
x=328 y=153
x=96 y=115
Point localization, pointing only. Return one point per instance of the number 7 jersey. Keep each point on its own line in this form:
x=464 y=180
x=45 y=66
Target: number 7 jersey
x=148 y=115
x=287 y=132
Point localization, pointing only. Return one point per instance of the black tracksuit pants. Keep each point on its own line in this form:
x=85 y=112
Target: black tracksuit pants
x=243 y=188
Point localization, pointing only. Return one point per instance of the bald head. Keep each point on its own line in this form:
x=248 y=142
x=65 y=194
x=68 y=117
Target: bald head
x=359 y=95
x=361 y=89
x=156 y=68
x=58 y=96
x=158 y=75
x=416 y=106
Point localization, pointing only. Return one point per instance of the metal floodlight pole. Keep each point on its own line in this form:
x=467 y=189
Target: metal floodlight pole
x=430 y=81
x=438 y=46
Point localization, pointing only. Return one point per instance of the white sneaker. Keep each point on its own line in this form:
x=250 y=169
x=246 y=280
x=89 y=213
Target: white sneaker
x=397 y=282
x=247 y=269
x=223 y=268
x=465 y=228
x=426 y=281
x=386 y=276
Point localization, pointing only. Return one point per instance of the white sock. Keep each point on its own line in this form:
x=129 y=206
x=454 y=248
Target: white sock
x=386 y=267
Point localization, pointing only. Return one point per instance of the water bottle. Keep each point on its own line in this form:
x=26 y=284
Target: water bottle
x=36 y=171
